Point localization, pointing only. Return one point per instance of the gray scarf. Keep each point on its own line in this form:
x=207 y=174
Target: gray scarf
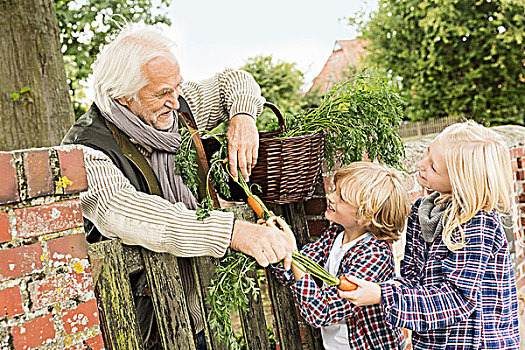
x=164 y=143
x=431 y=217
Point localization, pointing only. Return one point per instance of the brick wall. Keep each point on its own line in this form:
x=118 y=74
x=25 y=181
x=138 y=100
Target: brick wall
x=518 y=165
x=47 y=298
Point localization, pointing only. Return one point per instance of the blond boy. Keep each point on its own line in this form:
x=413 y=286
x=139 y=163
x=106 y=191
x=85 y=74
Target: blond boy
x=368 y=210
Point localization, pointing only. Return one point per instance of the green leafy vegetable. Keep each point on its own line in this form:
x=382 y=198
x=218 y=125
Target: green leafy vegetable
x=359 y=116
x=186 y=163
x=228 y=293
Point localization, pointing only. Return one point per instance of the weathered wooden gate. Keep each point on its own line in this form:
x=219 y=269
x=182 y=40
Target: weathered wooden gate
x=112 y=263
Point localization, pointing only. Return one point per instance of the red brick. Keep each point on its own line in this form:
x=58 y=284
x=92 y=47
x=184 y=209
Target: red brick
x=315 y=206
x=65 y=249
x=55 y=217
x=5 y=234
x=520 y=175
x=10 y=302
x=21 y=261
x=72 y=166
x=34 y=333
x=521 y=162
x=317 y=227
x=83 y=317
x=514 y=165
x=9 y=183
x=520 y=283
x=96 y=343
x=53 y=289
x=329 y=185
x=38 y=173
x=517 y=152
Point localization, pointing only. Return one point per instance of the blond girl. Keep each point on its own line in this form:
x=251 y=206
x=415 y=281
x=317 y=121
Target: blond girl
x=457 y=288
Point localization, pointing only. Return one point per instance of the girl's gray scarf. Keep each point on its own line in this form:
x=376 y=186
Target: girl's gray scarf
x=164 y=143
x=431 y=217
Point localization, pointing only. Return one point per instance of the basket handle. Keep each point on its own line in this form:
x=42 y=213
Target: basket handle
x=278 y=114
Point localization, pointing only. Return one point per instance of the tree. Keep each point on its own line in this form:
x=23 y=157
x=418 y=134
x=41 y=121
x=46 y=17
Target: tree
x=85 y=28
x=35 y=109
x=455 y=57
x=280 y=83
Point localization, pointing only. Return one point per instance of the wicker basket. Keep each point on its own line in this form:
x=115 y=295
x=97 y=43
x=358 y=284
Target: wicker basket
x=287 y=167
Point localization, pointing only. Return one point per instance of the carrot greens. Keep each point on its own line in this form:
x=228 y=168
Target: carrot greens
x=228 y=293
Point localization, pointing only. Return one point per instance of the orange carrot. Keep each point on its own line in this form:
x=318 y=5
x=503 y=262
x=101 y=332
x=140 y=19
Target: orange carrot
x=256 y=205
x=346 y=285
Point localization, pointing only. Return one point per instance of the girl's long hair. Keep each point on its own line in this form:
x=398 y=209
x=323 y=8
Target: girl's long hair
x=478 y=163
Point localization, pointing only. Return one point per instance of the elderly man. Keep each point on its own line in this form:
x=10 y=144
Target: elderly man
x=130 y=136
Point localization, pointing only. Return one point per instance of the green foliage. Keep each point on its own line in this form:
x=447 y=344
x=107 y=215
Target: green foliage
x=229 y=294
x=16 y=95
x=280 y=84
x=186 y=162
x=455 y=57
x=85 y=26
x=219 y=173
x=361 y=115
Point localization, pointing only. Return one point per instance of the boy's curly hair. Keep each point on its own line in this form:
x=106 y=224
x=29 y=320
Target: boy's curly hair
x=379 y=195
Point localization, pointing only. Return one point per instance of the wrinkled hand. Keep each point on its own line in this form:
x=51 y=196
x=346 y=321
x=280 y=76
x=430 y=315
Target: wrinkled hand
x=367 y=293
x=243 y=144
x=267 y=245
x=278 y=223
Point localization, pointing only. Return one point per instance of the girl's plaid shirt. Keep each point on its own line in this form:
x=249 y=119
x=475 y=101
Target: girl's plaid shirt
x=463 y=299
x=371 y=260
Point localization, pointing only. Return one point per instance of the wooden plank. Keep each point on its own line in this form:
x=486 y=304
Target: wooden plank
x=169 y=303
x=283 y=304
x=253 y=323
x=118 y=321
x=294 y=215
x=203 y=271
x=133 y=261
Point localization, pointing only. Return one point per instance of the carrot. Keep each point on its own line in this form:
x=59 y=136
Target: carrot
x=256 y=206
x=346 y=285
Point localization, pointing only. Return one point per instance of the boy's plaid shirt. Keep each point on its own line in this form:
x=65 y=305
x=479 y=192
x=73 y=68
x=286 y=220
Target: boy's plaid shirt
x=371 y=260
x=463 y=299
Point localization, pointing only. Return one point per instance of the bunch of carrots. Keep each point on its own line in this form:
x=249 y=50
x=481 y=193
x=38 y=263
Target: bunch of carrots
x=300 y=261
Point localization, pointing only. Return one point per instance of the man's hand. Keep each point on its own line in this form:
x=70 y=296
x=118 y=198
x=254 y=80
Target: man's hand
x=367 y=293
x=267 y=245
x=243 y=144
x=278 y=223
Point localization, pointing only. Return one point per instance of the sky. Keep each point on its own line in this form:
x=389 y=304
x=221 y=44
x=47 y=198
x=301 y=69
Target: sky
x=212 y=35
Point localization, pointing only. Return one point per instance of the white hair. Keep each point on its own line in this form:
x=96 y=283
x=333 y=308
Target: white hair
x=117 y=72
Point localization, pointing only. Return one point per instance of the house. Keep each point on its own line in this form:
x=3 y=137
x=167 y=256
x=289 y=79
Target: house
x=346 y=54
